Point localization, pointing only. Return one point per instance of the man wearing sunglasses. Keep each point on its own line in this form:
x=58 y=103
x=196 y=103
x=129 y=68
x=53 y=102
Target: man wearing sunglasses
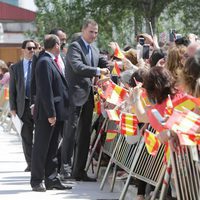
x=19 y=99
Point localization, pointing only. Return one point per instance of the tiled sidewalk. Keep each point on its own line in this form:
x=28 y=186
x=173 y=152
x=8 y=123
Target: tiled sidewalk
x=14 y=182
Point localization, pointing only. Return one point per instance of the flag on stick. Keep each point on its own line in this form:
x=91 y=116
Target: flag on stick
x=113 y=115
x=116 y=70
x=152 y=143
x=118 y=54
x=110 y=135
x=128 y=124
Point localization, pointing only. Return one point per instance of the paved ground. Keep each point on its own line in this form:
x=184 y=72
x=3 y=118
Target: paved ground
x=14 y=183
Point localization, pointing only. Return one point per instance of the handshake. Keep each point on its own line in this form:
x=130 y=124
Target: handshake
x=104 y=71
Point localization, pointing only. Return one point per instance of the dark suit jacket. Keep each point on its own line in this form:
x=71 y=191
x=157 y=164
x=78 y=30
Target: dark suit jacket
x=34 y=62
x=51 y=90
x=17 y=88
x=79 y=71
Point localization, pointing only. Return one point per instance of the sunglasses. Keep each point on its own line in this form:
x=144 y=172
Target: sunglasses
x=30 y=48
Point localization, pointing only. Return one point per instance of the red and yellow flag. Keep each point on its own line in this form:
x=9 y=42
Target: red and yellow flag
x=116 y=70
x=128 y=124
x=186 y=122
x=97 y=107
x=6 y=93
x=110 y=135
x=152 y=143
x=186 y=101
x=167 y=153
x=118 y=53
x=115 y=94
x=169 y=106
x=113 y=115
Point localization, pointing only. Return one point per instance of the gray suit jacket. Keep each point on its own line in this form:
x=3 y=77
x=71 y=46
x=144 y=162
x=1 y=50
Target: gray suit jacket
x=79 y=71
x=17 y=88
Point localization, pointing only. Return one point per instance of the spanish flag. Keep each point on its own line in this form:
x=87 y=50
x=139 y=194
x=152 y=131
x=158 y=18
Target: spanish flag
x=118 y=54
x=6 y=93
x=186 y=140
x=115 y=94
x=97 y=106
x=116 y=70
x=110 y=135
x=167 y=153
x=128 y=124
x=113 y=115
x=186 y=122
x=169 y=106
x=152 y=143
x=186 y=101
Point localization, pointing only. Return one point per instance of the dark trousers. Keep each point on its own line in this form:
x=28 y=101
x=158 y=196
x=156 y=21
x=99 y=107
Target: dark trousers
x=27 y=132
x=76 y=137
x=44 y=154
x=82 y=136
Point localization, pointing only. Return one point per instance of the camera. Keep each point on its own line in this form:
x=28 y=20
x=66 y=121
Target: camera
x=145 y=52
x=172 y=35
x=141 y=41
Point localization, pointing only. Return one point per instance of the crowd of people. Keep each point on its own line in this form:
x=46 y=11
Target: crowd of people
x=51 y=89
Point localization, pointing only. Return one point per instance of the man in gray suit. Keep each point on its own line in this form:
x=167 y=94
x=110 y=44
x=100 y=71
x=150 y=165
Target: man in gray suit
x=19 y=91
x=82 y=64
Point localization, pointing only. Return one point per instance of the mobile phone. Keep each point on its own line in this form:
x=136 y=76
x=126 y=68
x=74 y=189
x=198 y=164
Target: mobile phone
x=145 y=52
x=158 y=116
x=178 y=36
x=141 y=41
x=172 y=35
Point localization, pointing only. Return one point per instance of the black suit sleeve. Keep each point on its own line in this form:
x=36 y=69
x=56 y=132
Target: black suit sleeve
x=75 y=58
x=12 y=89
x=44 y=77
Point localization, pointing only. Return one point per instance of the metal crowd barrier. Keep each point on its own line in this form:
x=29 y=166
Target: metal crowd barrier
x=186 y=174
x=136 y=161
x=5 y=120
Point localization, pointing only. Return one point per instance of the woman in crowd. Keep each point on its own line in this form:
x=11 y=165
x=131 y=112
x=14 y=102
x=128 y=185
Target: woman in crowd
x=4 y=74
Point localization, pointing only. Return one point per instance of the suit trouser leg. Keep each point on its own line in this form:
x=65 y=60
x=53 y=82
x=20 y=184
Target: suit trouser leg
x=27 y=133
x=43 y=135
x=51 y=167
x=69 y=136
x=83 y=135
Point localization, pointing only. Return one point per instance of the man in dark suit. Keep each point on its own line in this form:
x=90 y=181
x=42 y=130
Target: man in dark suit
x=82 y=63
x=50 y=111
x=19 y=91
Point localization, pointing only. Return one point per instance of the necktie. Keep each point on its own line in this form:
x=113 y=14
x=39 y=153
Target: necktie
x=90 y=54
x=58 y=64
x=28 y=80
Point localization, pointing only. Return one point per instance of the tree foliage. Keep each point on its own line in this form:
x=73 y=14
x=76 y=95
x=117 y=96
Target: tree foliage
x=118 y=20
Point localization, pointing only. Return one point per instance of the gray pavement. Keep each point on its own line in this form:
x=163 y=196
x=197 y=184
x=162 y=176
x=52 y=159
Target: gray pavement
x=14 y=182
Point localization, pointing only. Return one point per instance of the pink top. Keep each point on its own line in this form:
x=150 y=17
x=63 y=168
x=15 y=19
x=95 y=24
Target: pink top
x=5 y=79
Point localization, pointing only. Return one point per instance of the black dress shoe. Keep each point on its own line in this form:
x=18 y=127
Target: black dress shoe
x=28 y=169
x=84 y=177
x=55 y=184
x=65 y=176
x=39 y=188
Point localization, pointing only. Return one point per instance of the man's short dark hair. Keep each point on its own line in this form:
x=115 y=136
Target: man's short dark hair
x=50 y=41
x=55 y=31
x=24 y=43
x=87 y=22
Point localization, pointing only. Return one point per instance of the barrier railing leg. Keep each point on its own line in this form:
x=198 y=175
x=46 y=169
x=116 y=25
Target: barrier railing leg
x=99 y=162
x=138 y=149
x=174 y=171
x=113 y=178
x=166 y=181
x=95 y=145
x=109 y=164
x=160 y=180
